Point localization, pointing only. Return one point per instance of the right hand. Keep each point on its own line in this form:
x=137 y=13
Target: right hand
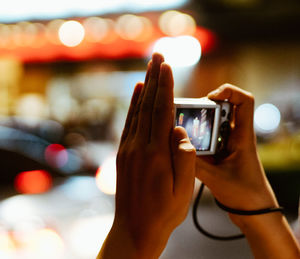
x=238 y=181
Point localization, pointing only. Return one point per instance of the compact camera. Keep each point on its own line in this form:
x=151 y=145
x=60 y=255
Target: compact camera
x=207 y=123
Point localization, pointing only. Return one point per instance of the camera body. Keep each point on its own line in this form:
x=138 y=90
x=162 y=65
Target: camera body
x=207 y=123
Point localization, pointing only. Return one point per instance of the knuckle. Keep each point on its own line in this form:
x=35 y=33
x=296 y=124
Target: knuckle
x=251 y=97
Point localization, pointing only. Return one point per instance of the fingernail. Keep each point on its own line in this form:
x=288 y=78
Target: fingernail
x=162 y=65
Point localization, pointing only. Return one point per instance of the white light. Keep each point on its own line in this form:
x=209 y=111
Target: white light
x=15 y=10
x=86 y=185
x=174 y=23
x=44 y=243
x=182 y=51
x=88 y=234
x=17 y=209
x=266 y=118
x=129 y=26
x=96 y=28
x=31 y=105
x=71 y=33
x=7 y=245
x=106 y=176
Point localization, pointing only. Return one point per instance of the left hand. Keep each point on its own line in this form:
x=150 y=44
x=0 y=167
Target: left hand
x=155 y=168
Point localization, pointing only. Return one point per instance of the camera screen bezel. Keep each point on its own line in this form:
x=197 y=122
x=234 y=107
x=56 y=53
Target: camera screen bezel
x=201 y=103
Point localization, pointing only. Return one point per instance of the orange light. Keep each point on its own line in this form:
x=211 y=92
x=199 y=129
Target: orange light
x=33 y=182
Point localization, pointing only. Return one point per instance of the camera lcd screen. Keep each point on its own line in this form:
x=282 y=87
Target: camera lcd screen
x=198 y=123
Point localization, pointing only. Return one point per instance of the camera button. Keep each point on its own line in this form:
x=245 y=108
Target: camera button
x=223 y=113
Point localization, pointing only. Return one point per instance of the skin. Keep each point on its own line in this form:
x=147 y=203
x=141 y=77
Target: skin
x=157 y=165
x=153 y=192
x=239 y=182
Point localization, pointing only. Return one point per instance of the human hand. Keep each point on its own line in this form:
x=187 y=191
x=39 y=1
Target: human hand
x=238 y=181
x=155 y=168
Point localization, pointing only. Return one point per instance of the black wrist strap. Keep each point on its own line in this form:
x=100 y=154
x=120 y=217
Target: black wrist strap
x=201 y=229
x=233 y=211
x=249 y=212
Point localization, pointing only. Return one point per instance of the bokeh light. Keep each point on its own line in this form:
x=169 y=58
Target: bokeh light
x=56 y=155
x=30 y=32
x=266 y=118
x=7 y=246
x=44 y=243
x=17 y=209
x=174 y=23
x=71 y=33
x=33 y=182
x=106 y=176
x=32 y=105
x=52 y=29
x=88 y=234
x=96 y=28
x=5 y=33
x=132 y=27
x=86 y=185
x=181 y=51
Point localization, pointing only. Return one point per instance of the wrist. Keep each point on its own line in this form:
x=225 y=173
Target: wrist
x=269 y=235
x=252 y=222
x=122 y=242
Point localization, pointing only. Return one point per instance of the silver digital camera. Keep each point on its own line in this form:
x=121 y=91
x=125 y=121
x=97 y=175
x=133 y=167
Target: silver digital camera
x=207 y=123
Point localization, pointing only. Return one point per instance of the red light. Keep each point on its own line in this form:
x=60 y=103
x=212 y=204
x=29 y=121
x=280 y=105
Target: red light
x=32 y=182
x=56 y=155
x=207 y=38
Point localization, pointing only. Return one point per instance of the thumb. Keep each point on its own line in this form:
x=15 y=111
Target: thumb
x=184 y=155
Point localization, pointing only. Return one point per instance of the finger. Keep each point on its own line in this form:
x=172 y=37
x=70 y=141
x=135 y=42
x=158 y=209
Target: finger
x=162 y=119
x=134 y=122
x=183 y=154
x=244 y=102
x=134 y=99
x=145 y=114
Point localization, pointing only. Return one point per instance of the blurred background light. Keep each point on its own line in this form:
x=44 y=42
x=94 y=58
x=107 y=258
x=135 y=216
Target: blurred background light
x=175 y=23
x=52 y=29
x=86 y=185
x=32 y=105
x=71 y=33
x=4 y=35
x=133 y=27
x=16 y=209
x=106 y=176
x=96 y=28
x=30 y=32
x=88 y=234
x=33 y=182
x=181 y=51
x=7 y=245
x=36 y=10
x=266 y=118
x=56 y=155
x=44 y=243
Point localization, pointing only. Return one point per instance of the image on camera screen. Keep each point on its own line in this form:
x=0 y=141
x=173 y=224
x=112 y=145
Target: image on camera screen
x=198 y=123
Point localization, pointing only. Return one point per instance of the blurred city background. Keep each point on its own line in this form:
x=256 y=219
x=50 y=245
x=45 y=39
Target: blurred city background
x=67 y=72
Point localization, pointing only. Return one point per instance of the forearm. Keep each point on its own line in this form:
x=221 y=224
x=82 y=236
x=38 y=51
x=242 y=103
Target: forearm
x=269 y=236
x=116 y=246
x=120 y=244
